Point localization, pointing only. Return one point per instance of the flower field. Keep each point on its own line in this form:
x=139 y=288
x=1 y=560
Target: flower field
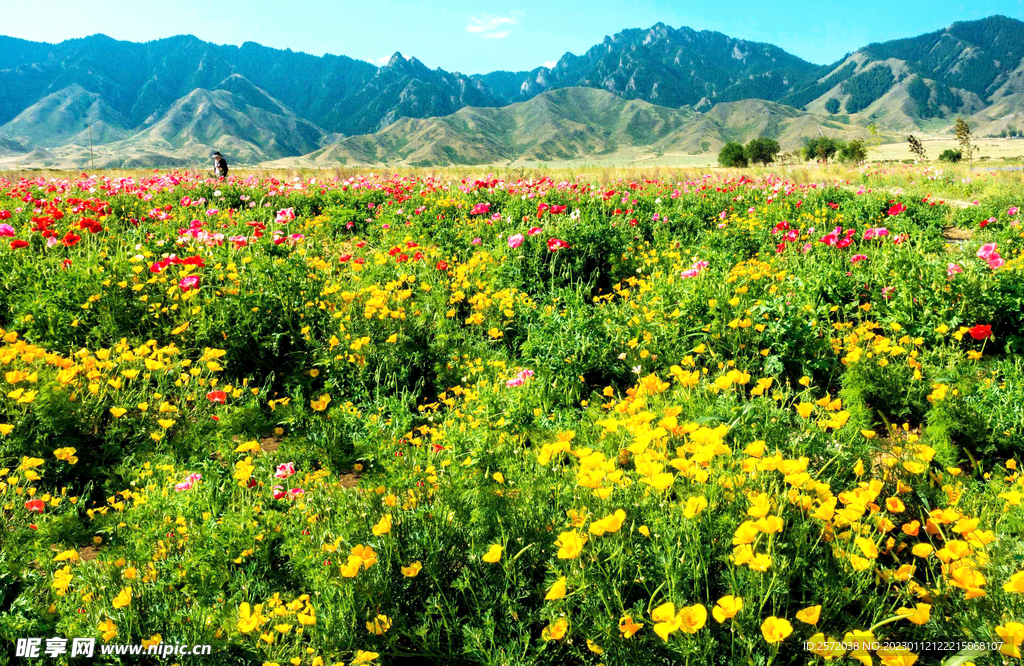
x=408 y=419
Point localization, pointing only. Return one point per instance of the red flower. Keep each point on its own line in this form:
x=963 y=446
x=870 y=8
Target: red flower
x=442 y=265
x=36 y=505
x=981 y=331
x=220 y=397
x=71 y=239
x=897 y=209
x=15 y=244
x=189 y=282
x=554 y=244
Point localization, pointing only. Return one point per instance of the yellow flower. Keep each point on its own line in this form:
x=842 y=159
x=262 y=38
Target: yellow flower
x=804 y=409
x=379 y=626
x=155 y=639
x=693 y=618
x=66 y=555
x=6 y=428
x=609 y=524
x=570 y=545
x=694 y=506
x=775 y=629
x=922 y=550
x=628 y=627
x=123 y=598
x=727 y=608
x=61 y=581
x=118 y=412
x=66 y=454
x=809 y=615
x=320 y=404
x=382 y=527
x=363 y=658
x=918 y=615
x=867 y=546
x=493 y=554
x=557 y=590
x=555 y=631
x=108 y=629
x=249 y=618
x=1012 y=634
x=412 y=570
x=1016 y=583
x=646 y=531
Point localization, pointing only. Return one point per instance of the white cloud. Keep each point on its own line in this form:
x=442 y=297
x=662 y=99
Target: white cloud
x=487 y=25
x=550 y=64
x=383 y=60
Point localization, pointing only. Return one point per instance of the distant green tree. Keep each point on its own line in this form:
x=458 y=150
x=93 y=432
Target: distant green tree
x=732 y=155
x=832 y=105
x=761 y=149
x=963 y=137
x=951 y=155
x=853 y=152
x=916 y=147
x=822 y=149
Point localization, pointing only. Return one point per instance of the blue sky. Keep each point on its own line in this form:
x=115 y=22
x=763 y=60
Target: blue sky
x=474 y=37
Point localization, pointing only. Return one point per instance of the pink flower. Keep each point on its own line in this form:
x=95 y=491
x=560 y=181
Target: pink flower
x=189 y=282
x=555 y=244
x=876 y=232
x=285 y=215
x=239 y=241
x=985 y=223
x=519 y=379
x=211 y=212
x=515 y=241
x=6 y=230
x=534 y=231
x=478 y=241
x=284 y=470
x=189 y=481
x=887 y=292
x=857 y=258
x=897 y=209
x=480 y=209
x=723 y=215
x=296 y=492
x=986 y=250
x=695 y=269
x=279 y=492
x=952 y=269
x=1012 y=210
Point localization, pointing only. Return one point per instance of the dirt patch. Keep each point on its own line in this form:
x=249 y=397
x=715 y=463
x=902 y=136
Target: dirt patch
x=89 y=553
x=349 y=480
x=956 y=234
x=270 y=444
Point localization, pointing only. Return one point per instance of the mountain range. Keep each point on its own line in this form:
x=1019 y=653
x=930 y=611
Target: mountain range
x=645 y=92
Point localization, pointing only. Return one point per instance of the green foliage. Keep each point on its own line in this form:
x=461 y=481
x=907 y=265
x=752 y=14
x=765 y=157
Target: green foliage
x=853 y=152
x=951 y=155
x=866 y=87
x=732 y=154
x=761 y=150
x=821 y=148
x=832 y=105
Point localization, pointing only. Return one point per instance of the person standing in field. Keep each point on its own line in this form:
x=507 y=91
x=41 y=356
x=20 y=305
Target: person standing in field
x=220 y=165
